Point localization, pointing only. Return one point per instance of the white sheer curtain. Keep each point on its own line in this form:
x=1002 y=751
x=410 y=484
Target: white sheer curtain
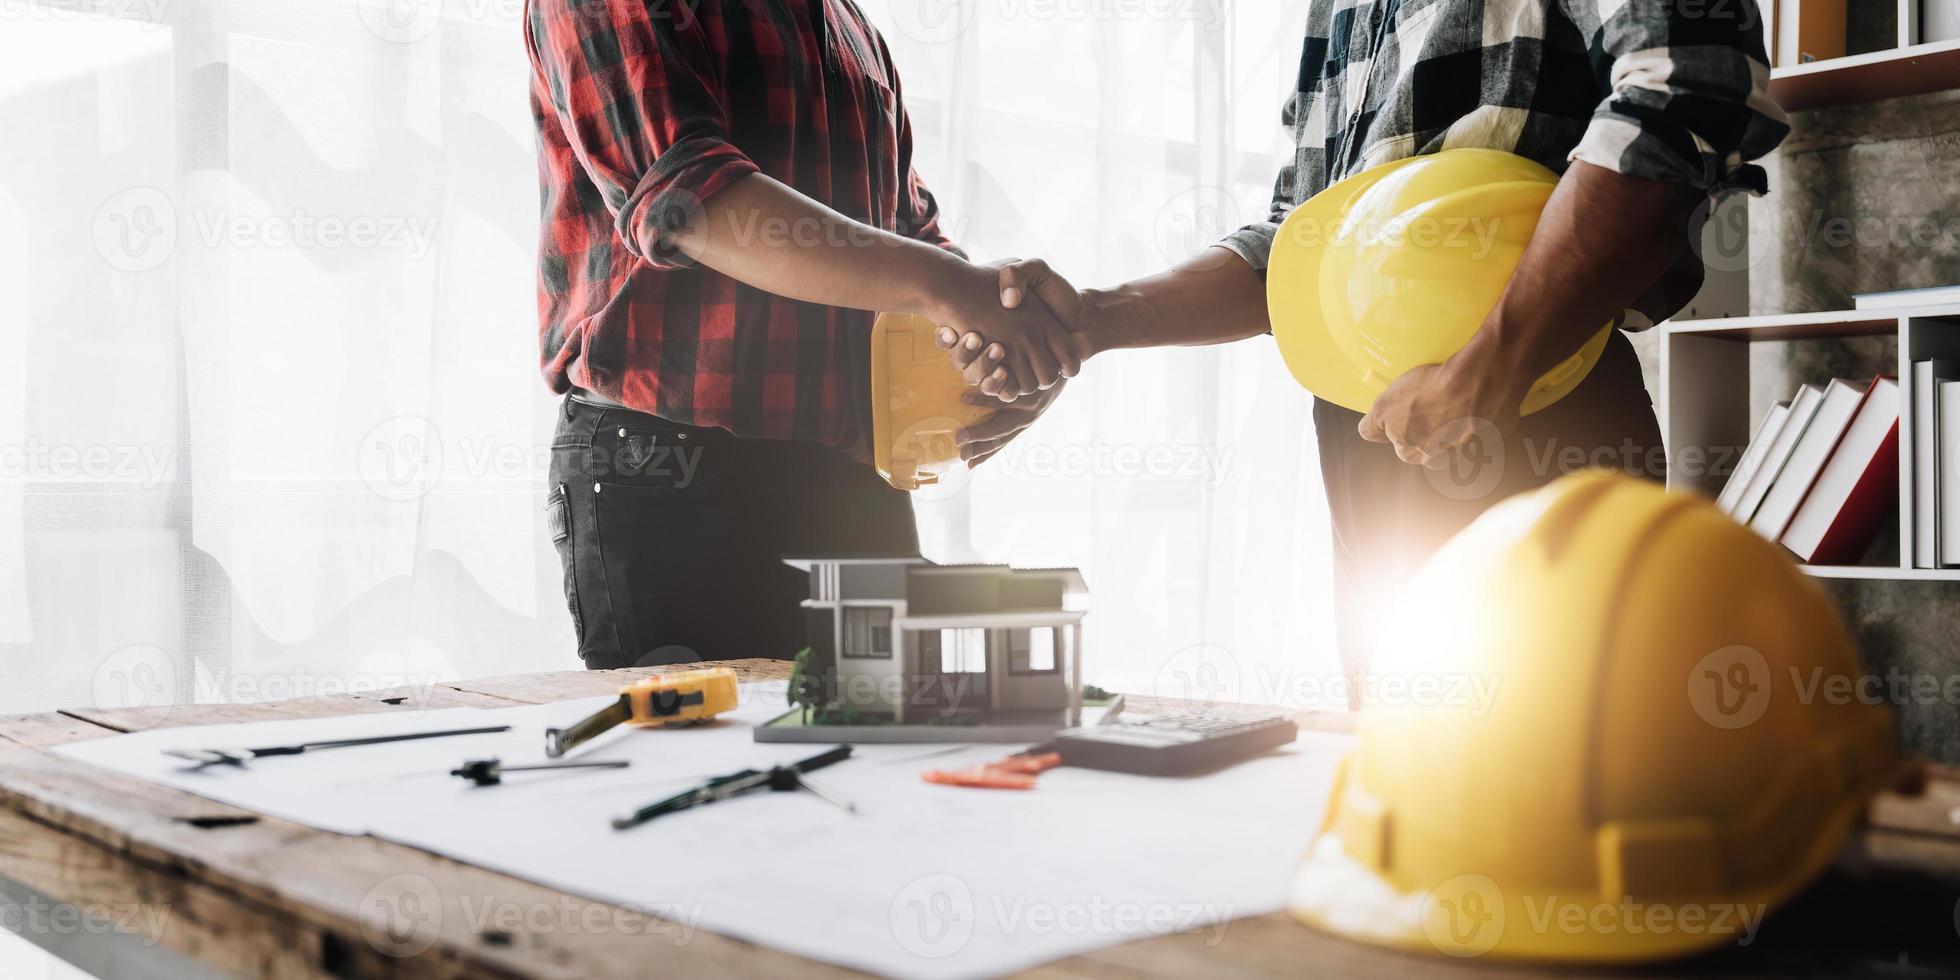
x=270 y=420
x=1113 y=137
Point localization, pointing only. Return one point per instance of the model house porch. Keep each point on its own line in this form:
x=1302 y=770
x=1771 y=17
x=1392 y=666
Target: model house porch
x=905 y=642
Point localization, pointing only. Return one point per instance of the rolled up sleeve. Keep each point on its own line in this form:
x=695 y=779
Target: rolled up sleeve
x=640 y=99
x=1254 y=242
x=1689 y=100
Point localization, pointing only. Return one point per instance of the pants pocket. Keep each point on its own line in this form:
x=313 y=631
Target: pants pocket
x=558 y=511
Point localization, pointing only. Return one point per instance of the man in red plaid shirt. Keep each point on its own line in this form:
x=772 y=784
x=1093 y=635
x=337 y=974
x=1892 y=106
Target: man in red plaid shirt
x=728 y=194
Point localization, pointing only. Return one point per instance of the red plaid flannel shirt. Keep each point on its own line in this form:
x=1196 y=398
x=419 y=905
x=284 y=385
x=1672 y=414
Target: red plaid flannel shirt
x=646 y=108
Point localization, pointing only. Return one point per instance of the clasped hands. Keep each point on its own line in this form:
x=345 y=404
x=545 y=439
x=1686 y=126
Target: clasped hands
x=1014 y=330
x=1019 y=331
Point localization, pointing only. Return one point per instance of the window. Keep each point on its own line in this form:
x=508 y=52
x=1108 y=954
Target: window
x=1031 y=651
x=963 y=651
x=867 y=632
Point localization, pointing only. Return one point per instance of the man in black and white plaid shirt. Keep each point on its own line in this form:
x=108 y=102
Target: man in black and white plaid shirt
x=1647 y=108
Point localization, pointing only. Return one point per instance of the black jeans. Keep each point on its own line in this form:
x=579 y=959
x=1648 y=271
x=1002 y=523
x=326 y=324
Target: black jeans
x=1389 y=516
x=672 y=537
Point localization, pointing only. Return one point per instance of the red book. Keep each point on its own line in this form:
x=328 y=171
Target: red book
x=1857 y=488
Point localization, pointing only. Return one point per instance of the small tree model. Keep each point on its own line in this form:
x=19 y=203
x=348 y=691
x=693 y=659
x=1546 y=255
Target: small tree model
x=805 y=685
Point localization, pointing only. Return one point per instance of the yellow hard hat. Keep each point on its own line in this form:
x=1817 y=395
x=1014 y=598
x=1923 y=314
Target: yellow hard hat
x=1397 y=266
x=1653 y=767
x=915 y=403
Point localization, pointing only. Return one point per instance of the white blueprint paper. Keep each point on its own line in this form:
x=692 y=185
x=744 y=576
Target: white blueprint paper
x=923 y=881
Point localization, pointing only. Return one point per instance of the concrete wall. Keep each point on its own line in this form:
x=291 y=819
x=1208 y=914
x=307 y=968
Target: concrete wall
x=1854 y=192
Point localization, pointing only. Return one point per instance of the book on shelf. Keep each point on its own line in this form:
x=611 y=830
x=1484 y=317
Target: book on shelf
x=1947 y=461
x=1857 y=486
x=1900 y=299
x=1926 y=377
x=1809 y=30
x=1752 y=457
x=1803 y=406
x=1807 y=458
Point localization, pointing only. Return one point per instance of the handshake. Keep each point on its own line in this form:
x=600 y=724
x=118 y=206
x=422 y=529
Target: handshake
x=1014 y=329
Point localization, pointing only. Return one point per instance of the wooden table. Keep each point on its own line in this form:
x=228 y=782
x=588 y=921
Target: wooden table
x=249 y=895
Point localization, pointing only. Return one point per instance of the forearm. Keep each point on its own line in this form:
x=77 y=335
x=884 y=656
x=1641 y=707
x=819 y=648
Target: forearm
x=1211 y=298
x=764 y=233
x=1604 y=239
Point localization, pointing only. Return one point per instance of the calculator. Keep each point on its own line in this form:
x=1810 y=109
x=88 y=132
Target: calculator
x=1174 y=743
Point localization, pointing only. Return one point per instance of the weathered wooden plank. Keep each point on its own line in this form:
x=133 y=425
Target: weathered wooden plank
x=158 y=907
x=350 y=904
x=48 y=730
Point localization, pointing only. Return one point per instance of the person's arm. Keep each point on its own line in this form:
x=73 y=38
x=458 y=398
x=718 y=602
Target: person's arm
x=641 y=102
x=1574 y=275
x=1689 y=105
x=1214 y=297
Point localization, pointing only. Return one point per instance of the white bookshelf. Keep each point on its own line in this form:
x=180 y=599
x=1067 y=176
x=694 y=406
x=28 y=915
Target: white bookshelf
x=1705 y=396
x=1909 y=67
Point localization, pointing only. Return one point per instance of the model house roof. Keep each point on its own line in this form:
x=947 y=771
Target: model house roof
x=806 y=562
x=932 y=590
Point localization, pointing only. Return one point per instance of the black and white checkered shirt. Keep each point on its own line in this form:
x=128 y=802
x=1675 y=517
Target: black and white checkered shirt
x=1674 y=90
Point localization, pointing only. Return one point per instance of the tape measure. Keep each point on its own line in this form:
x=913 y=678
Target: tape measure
x=659 y=701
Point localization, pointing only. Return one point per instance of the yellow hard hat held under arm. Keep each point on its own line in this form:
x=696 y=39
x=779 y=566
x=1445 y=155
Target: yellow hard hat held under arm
x=1397 y=267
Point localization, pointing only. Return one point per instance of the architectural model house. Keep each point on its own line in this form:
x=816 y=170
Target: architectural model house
x=903 y=650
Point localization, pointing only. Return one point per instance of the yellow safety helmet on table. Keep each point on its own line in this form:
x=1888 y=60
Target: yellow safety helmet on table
x=1397 y=267
x=1648 y=777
